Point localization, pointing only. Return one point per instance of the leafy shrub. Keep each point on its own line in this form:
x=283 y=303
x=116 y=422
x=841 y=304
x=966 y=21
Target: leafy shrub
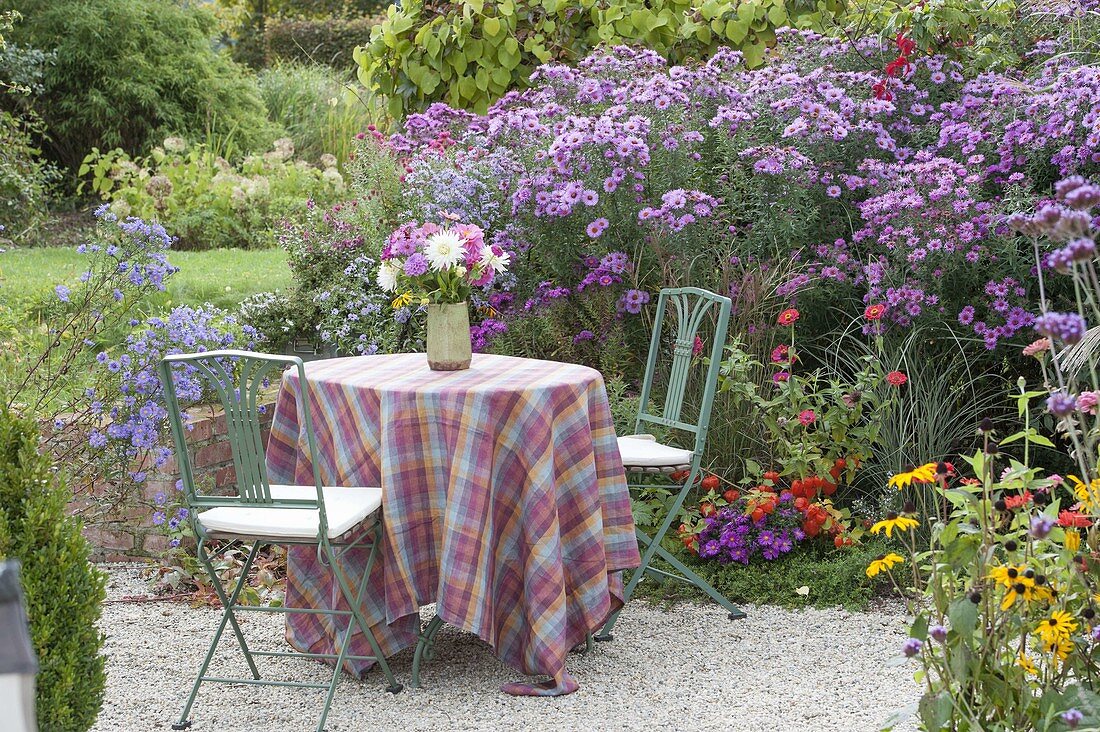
x=473 y=52
x=207 y=202
x=127 y=72
x=275 y=318
x=333 y=254
x=967 y=29
x=327 y=41
x=25 y=179
x=319 y=108
x=63 y=589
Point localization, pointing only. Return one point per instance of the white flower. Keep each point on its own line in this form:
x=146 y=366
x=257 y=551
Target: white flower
x=499 y=262
x=443 y=250
x=387 y=276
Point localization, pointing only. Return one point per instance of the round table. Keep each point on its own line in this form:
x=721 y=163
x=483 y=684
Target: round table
x=504 y=500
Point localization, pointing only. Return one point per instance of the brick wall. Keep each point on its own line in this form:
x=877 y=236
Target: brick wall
x=125 y=531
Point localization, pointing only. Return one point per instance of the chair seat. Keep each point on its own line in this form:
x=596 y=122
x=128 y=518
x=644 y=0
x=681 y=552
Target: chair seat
x=643 y=451
x=344 y=508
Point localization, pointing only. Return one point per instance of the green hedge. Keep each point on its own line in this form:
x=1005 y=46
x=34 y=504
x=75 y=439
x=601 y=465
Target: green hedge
x=63 y=589
x=329 y=41
x=470 y=53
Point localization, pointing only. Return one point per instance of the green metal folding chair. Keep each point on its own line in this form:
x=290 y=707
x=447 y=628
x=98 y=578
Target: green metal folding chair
x=314 y=515
x=641 y=453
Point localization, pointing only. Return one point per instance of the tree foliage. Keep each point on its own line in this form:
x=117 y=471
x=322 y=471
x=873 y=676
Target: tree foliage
x=127 y=72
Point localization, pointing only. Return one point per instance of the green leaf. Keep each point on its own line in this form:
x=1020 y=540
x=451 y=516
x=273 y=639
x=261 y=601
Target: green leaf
x=754 y=54
x=919 y=629
x=458 y=61
x=1038 y=439
x=402 y=23
x=395 y=105
x=502 y=76
x=934 y=710
x=963 y=615
x=736 y=30
x=478 y=6
x=467 y=88
x=777 y=15
x=491 y=26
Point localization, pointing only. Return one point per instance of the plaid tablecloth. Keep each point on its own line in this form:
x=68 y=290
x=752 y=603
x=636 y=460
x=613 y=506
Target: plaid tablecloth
x=504 y=500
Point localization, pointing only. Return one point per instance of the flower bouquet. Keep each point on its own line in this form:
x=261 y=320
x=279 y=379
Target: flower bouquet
x=439 y=266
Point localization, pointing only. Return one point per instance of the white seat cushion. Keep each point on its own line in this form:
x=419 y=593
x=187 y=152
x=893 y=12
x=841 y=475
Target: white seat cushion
x=643 y=451
x=344 y=508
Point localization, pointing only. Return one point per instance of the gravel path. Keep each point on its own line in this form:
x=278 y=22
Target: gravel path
x=683 y=668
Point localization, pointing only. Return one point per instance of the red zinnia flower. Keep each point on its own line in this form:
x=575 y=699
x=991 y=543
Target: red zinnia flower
x=807 y=417
x=788 y=317
x=1074 y=519
x=896 y=378
x=780 y=353
x=1017 y=501
x=874 y=312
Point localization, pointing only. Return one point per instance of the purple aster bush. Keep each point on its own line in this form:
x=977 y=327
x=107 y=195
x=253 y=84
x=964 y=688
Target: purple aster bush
x=732 y=536
x=796 y=166
x=130 y=437
x=125 y=264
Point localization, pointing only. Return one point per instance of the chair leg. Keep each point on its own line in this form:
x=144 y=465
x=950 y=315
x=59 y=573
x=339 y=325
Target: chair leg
x=355 y=603
x=336 y=671
x=735 y=613
x=227 y=617
x=651 y=550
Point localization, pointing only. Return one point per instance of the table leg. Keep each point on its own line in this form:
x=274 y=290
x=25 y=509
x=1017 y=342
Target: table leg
x=424 y=648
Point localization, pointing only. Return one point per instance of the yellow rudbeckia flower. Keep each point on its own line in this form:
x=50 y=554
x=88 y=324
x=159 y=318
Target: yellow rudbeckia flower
x=885 y=562
x=924 y=474
x=1026 y=590
x=1026 y=664
x=402 y=300
x=1086 y=494
x=1060 y=648
x=894 y=521
x=1008 y=574
x=1072 y=542
x=1059 y=626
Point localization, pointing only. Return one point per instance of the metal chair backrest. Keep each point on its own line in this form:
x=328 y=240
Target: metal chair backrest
x=692 y=306
x=237 y=378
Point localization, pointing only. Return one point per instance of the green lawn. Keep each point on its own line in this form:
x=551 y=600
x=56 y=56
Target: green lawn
x=221 y=277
